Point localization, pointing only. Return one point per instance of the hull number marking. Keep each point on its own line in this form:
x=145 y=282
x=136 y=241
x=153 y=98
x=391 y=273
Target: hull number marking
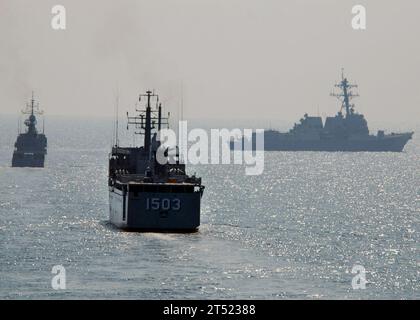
x=166 y=204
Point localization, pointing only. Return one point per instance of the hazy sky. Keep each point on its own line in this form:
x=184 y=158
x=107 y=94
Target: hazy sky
x=254 y=59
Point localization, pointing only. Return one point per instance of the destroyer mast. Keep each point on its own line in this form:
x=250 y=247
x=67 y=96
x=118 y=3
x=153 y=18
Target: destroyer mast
x=346 y=94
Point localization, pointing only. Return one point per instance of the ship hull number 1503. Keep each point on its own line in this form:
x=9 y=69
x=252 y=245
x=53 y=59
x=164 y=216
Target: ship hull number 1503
x=165 y=204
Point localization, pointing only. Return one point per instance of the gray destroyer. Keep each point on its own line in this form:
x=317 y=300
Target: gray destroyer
x=144 y=194
x=31 y=146
x=343 y=132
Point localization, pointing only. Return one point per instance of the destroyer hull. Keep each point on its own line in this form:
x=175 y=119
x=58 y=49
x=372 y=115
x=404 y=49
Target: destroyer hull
x=332 y=146
x=29 y=160
x=154 y=211
x=284 y=142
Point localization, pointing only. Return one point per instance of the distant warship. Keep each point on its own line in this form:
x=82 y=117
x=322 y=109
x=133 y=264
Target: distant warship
x=145 y=195
x=30 y=146
x=348 y=132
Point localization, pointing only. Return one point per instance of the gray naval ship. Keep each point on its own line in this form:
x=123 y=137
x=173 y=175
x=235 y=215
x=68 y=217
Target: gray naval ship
x=145 y=195
x=344 y=132
x=30 y=146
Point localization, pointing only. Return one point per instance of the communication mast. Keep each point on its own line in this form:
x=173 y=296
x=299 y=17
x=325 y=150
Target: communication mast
x=346 y=94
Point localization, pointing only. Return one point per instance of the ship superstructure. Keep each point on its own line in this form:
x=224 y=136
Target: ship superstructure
x=144 y=193
x=30 y=146
x=346 y=131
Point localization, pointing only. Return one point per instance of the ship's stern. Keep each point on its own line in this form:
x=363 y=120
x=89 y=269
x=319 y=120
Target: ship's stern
x=157 y=207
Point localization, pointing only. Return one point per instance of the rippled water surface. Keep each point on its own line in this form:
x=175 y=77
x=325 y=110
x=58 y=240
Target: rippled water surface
x=294 y=232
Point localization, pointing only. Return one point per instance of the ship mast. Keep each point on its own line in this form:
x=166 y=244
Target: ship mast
x=32 y=109
x=346 y=94
x=146 y=119
x=148 y=127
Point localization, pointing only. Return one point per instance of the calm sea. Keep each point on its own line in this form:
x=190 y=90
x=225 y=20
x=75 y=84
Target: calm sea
x=294 y=232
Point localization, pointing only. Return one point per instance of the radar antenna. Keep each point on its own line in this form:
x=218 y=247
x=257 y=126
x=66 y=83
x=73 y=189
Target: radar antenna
x=146 y=119
x=32 y=109
x=346 y=94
